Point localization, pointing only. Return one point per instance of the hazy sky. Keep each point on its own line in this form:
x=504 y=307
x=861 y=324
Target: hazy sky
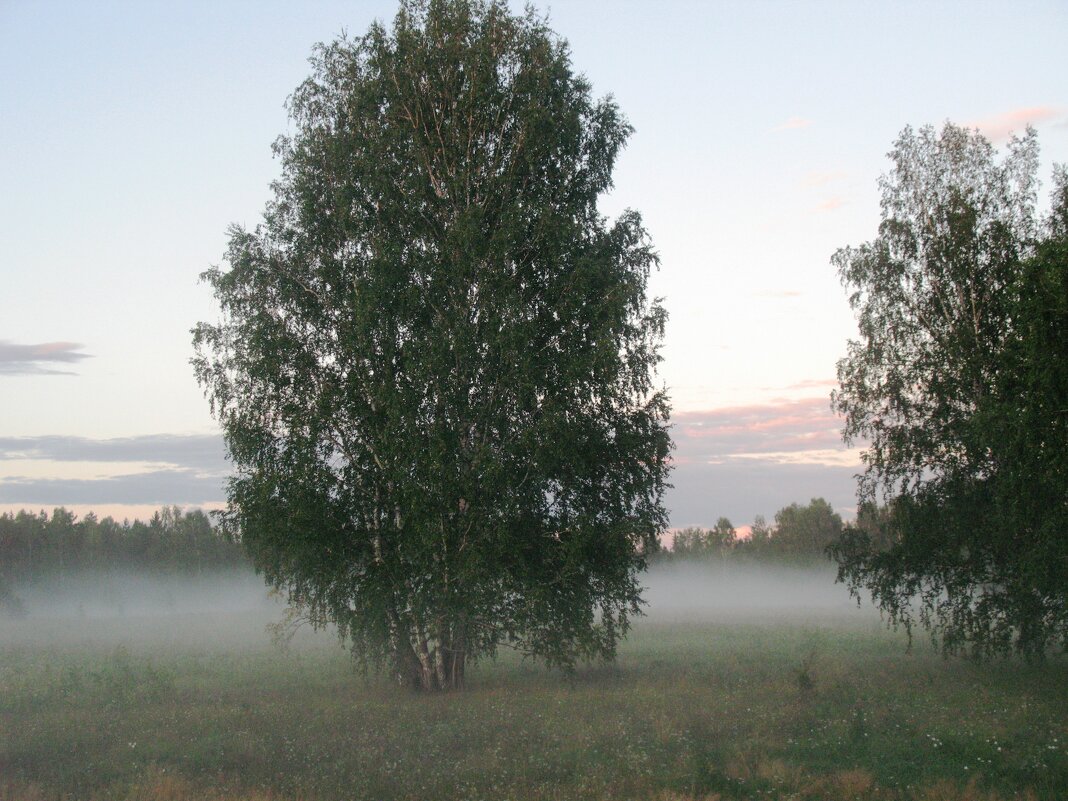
x=132 y=134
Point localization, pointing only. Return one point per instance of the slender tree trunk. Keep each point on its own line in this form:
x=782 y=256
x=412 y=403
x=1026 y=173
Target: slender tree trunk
x=430 y=664
x=440 y=670
x=457 y=660
x=427 y=675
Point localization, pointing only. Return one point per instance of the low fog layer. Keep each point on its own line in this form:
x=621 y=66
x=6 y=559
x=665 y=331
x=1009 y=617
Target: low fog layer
x=673 y=591
x=726 y=590
x=223 y=613
x=96 y=595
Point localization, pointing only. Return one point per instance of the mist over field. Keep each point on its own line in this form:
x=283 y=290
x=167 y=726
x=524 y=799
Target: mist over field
x=674 y=592
x=742 y=680
x=125 y=593
x=730 y=590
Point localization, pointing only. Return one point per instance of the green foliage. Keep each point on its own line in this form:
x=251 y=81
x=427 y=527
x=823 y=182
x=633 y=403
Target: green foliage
x=800 y=534
x=806 y=529
x=959 y=385
x=32 y=545
x=434 y=367
x=701 y=542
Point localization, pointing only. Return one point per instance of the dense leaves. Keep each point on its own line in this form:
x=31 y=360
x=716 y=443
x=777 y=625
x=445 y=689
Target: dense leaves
x=434 y=367
x=703 y=542
x=959 y=385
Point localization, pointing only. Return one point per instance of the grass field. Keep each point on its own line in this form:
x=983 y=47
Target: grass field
x=792 y=703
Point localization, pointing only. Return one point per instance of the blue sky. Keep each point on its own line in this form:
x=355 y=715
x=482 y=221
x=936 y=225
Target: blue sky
x=133 y=133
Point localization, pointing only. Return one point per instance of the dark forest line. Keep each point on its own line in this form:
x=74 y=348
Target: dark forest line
x=173 y=540
x=35 y=544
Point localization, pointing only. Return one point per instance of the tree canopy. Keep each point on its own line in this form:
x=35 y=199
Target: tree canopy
x=959 y=389
x=435 y=363
x=807 y=530
x=800 y=535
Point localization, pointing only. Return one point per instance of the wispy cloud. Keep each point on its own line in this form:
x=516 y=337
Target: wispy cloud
x=793 y=124
x=743 y=461
x=737 y=462
x=824 y=456
x=202 y=452
x=831 y=204
x=35 y=359
x=152 y=469
x=806 y=428
x=155 y=487
x=818 y=178
x=1000 y=127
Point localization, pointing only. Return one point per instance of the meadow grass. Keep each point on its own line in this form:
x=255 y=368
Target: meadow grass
x=743 y=707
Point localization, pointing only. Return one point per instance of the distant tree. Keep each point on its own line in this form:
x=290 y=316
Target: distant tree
x=723 y=535
x=959 y=385
x=687 y=541
x=759 y=532
x=876 y=524
x=806 y=530
x=695 y=542
x=434 y=370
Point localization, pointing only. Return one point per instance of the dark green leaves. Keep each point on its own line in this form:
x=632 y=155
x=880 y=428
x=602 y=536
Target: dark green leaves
x=435 y=365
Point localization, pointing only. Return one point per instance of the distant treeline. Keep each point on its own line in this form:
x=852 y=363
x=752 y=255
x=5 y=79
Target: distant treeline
x=174 y=541
x=799 y=534
x=35 y=543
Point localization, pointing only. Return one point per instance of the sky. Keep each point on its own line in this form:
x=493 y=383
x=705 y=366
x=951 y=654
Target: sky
x=132 y=134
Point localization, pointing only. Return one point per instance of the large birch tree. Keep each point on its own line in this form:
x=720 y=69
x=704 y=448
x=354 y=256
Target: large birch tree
x=958 y=389
x=435 y=360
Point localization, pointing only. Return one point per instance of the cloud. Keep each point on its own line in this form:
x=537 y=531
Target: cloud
x=162 y=487
x=31 y=359
x=829 y=457
x=799 y=426
x=201 y=452
x=831 y=204
x=743 y=461
x=817 y=178
x=1002 y=126
x=737 y=462
x=152 y=469
x=793 y=124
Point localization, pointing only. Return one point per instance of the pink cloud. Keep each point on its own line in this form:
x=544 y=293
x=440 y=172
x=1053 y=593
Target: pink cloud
x=1002 y=126
x=818 y=178
x=793 y=124
x=831 y=204
x=758 y=431
x=16 y=359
